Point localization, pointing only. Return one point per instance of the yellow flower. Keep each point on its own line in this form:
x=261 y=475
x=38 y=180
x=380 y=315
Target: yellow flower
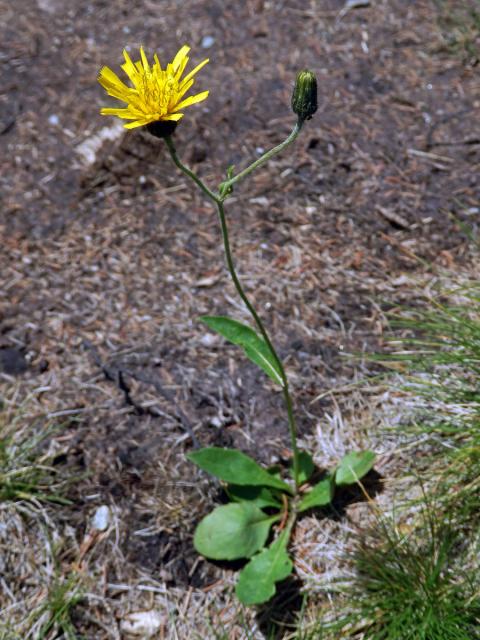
x=156 y=94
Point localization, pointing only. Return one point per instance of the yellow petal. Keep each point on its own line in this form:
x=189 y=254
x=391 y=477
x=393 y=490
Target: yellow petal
x=132 y=125
x=146 y=66
x=109 y=76
x=180 y=57
x=130 y=68
x=157 y=62
x=194 y=71
x=192 y=100
x=176 y=98
x=126 y=114
x=173 y=116
x=181 y=69
x=113 y=85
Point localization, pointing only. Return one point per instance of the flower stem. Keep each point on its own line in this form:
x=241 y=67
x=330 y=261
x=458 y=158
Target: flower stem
x=218 y=200
x=263 y=331
x=226 y=186
x=187 y=171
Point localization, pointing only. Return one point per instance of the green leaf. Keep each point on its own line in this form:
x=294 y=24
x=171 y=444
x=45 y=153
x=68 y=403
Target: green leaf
x=256 y=582
x=319 y=496
x=233 y=531
x=306 y=466
x=235 y=467
x=260 y=496
x=242 y=335
x=354 y=466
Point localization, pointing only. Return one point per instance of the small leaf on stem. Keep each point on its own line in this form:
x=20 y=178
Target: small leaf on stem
x=256 y=349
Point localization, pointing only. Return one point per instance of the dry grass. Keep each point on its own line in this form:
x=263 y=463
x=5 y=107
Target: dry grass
x=55 y=555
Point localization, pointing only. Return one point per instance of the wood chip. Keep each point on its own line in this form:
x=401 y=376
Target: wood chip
x=393 y=218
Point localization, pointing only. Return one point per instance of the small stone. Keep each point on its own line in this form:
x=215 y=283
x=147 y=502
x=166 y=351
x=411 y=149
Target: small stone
x=208 y=340
x=357 y=4
x=207 y=42
x=261 y=200
x=143 y=624
x=101 y=518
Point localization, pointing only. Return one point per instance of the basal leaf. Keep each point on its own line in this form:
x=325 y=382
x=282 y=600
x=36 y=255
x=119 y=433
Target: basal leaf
x=319 y=496
x=254 y=346
x=235 y=467
x=306 y=466
x=256 y=582
x=233 y=531
x=260 y=496
x=353 y=467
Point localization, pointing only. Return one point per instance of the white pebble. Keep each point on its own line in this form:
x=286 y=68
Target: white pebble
x=101 y=518
x=144 y=624
x=207 y=42
x=208 y=340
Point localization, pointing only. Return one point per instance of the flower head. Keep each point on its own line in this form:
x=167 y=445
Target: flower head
x=156 y=94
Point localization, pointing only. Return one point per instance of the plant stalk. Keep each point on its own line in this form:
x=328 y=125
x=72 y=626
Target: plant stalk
x=263 y=331
x=173 y=152
x=226 y=186
x=218 y=199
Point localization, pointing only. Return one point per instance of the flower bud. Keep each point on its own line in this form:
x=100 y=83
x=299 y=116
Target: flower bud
x=304 y=97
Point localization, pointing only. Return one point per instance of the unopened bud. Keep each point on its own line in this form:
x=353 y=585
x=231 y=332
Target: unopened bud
x=304 y=98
